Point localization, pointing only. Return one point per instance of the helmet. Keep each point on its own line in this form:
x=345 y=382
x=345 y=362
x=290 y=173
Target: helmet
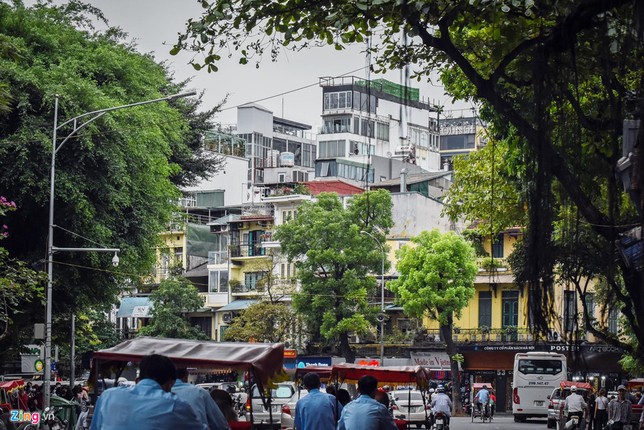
x=573 y=388
x=431 y=390
x=440 y=389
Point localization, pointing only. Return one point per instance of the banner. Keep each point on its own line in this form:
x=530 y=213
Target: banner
x=433 y=360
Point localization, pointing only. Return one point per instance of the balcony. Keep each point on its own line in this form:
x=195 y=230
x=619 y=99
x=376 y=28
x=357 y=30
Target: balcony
x=488 y=264
x=240 y=251
x=239 y=288
x=218 y=257
x=251 y=210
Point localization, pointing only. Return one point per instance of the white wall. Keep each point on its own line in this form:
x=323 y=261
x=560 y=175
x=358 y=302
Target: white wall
x=414 y=213
x=232 y=179
x=254 y=118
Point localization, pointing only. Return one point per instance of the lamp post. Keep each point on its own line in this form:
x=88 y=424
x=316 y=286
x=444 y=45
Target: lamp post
x=78 y=123
x=381 y=317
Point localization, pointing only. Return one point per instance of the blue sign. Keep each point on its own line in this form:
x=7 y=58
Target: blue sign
x=303 y=362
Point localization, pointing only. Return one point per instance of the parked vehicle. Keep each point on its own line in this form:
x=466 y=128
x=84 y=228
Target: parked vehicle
x=557 y=399
x=287 y=418
x=412 y=405
x=279 y=396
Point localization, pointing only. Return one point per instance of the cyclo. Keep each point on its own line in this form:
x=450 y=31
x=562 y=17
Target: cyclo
x=476 y=409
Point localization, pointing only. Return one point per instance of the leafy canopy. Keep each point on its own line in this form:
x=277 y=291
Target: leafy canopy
x=262 y=322
x=174 y=298
x=334 y=259
x=437 y=274
x=116 y=179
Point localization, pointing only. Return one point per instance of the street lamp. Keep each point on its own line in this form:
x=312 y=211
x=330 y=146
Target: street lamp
x=381 y=316
x=78 y=122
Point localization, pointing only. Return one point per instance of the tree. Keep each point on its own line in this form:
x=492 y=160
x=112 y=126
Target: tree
x=437 y=280
x=175 y=297
x=333 y=260
x=116 y=179
x=559 y=77
x=263 y=322
x=18 y=282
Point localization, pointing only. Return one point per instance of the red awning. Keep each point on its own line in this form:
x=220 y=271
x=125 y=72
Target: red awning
x=264 y=360
x=416 y=375
x=580 y=385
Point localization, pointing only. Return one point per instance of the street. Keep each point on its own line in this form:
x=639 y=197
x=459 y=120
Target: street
x=499 y=422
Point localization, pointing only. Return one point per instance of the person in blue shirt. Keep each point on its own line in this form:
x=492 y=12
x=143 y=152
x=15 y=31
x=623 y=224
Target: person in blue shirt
x=483 y=397
x=316 y=410
x=365 y=413
x=204 y=406
x=148 y=405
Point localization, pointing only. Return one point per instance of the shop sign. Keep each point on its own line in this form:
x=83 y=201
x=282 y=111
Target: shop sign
x=434 y=360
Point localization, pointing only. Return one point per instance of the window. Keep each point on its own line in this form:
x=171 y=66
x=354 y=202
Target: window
x=613 y=319
x=359 y=148
x=251 y=279
x=218 y=281
x=540 y=367
x=382 y=131
x=570 y=311
x=485 y=309
x=510 y=308
x=497 y=247
x=337 y=100
x=332 y=148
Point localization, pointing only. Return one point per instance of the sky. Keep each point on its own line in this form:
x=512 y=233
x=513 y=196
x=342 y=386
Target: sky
x=155 y=24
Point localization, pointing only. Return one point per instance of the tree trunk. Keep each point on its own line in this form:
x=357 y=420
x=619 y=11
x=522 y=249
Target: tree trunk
x=450 y=347
x=345 y=349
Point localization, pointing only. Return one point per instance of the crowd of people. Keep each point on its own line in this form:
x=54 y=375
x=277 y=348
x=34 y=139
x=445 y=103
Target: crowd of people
x=599 y=412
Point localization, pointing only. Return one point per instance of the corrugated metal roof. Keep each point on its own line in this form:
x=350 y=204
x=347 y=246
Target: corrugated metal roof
x=337 y=186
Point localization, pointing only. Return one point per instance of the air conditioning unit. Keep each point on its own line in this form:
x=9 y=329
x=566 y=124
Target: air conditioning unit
x=263 y=223
x=227 y=317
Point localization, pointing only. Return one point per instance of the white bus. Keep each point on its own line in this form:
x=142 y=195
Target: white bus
x=535 y=375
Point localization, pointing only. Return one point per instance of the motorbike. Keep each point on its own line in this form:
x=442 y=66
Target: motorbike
x=440 y=421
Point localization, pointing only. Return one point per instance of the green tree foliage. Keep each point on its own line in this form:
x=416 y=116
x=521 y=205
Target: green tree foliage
x=116 y=178
x=485 y=190
x=436 y=280
x=263 y=322
x=333 y=260
x=174 y=298
x=554 y=78
x=18 y=282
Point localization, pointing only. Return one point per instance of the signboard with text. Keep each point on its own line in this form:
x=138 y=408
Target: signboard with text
x=433 y=360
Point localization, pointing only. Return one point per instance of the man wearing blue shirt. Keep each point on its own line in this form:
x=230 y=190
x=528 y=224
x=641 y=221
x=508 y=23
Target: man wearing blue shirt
x=204 y=406
x=365 y=413
x=316 y=410
x=148 y=405
x=483 y=398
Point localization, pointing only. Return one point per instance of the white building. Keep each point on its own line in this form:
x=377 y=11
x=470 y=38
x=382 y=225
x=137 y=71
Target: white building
x=372 y=131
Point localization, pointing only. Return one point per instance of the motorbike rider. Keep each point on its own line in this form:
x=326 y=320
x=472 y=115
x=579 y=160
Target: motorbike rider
x=575 y=404
x=442 y=404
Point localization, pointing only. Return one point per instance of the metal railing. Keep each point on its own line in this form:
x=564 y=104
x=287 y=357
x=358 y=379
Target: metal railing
x=217 y=257
x=254 y=250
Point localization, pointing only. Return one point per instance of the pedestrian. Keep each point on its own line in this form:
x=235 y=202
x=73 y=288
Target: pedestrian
x=365 y=413
x=601 y=410
x=575 y=404
x=148 y=405
x=316 y=410
x=492 y=403
x=591 y=411
x=225 y=403
x=619 y=410
x=204 y=406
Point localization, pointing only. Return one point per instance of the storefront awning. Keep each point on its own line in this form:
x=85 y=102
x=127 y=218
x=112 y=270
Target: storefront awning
x=237 y=305
x=136 y=307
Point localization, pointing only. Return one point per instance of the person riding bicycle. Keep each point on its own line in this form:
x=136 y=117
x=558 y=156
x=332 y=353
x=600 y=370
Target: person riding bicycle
x=483 y=398
x=442 y=404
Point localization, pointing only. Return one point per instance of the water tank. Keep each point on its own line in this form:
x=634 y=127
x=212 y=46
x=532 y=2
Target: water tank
x=287 y=159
